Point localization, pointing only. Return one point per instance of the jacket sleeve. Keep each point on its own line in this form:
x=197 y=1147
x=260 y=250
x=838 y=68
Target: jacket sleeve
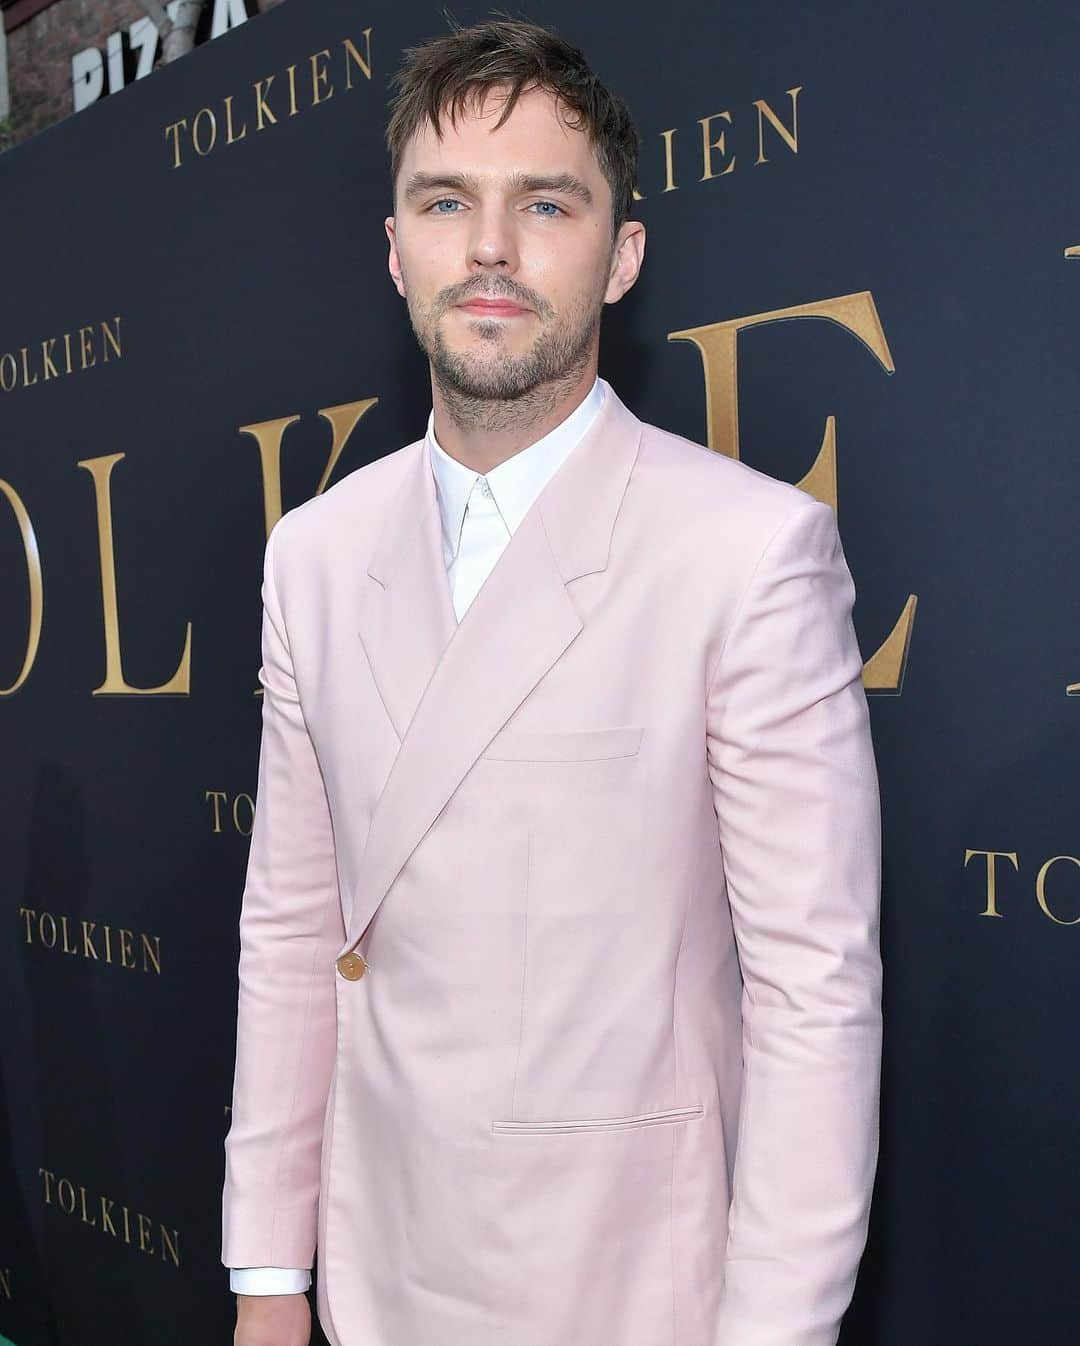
x=795 y=788
x=290 y=929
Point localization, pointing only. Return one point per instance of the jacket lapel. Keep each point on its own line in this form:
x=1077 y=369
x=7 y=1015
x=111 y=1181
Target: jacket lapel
x=406 y=614
x=450 y=687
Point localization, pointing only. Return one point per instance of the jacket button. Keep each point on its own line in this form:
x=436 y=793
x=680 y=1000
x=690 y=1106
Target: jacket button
x=351 y=966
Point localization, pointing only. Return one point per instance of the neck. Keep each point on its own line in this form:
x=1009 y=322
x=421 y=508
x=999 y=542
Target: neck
x=484 y=432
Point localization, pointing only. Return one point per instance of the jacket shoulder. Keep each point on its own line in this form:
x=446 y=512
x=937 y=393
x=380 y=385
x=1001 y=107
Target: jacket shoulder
x=346 y=514
x=728 y=497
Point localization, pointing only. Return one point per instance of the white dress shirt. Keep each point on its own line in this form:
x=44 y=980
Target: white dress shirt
x=503 y=497
x=511 y=488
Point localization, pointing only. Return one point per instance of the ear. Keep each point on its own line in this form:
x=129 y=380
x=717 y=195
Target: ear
x=394 y=260
x=626 y=261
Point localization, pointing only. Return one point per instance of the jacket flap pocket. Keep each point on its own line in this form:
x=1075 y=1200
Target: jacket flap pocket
x=630 y=1122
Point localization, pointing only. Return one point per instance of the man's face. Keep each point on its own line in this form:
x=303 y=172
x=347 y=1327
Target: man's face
x=468 y=226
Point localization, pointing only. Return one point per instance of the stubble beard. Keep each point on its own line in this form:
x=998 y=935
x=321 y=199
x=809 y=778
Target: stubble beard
x=489 y=389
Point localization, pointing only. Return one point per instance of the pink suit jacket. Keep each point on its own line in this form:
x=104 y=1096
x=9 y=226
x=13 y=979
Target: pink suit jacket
x=611 y=850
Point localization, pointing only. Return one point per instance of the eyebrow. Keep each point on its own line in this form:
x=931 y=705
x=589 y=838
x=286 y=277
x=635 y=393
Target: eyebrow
x=564 y=183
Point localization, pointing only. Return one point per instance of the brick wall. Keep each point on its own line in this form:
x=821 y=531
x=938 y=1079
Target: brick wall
x=40 y=51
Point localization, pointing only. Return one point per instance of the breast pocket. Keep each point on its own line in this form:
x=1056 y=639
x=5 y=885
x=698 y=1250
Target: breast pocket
x=579 y=794
x=578 y=745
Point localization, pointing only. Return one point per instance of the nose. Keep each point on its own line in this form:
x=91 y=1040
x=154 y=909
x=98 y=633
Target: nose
x=492 y=241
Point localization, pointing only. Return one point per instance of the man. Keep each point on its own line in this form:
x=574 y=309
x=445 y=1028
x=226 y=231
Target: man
x=559 y=1016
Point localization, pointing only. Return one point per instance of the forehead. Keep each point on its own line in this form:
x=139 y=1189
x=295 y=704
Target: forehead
x=535 y=137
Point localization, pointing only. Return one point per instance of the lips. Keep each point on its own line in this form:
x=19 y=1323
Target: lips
x=497 y=306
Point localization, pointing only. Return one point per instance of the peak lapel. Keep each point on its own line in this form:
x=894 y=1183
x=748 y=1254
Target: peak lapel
x=465 y=681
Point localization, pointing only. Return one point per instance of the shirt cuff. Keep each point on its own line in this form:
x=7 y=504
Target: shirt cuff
x=269 y=1280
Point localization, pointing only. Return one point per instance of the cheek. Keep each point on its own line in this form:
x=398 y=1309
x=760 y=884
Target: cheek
x=429 y=265
x=560 y=285
x=571 y=270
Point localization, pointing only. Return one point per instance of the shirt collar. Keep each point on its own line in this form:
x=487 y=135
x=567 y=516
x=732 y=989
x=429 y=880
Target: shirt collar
x=518 y=480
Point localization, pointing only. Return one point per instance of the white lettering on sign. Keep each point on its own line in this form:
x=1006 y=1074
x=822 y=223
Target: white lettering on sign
x=133 y=50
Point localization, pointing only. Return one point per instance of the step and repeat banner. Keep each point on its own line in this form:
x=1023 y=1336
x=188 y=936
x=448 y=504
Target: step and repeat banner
x=858 y=278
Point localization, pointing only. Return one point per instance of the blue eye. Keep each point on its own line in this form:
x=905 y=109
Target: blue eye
x=433 y=209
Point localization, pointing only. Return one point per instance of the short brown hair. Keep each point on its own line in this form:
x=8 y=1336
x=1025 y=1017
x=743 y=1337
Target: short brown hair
x=445 y=72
